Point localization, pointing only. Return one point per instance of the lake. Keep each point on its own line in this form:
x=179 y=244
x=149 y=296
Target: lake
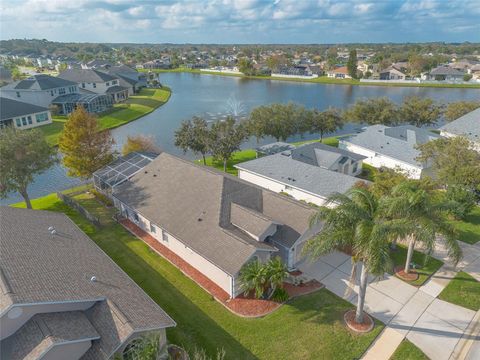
x=214 y=97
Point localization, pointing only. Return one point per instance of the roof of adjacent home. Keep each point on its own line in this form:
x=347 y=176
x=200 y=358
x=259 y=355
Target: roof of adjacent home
x=446 y=70
x=468 y=125
x=86 y=76
x=37 y=266
x=395 y=142
x=311 y=178
x=10 y=108
x=194 y=204
x=39 y=82
x=115 y=89
x=322 y=155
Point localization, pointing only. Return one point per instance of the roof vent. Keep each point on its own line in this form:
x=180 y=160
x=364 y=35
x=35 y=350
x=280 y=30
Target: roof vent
x=93 y=279
x=146 y=172
x=52 y=230
x=154 y=175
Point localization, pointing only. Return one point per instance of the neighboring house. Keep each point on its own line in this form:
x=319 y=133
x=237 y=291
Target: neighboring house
x=310 y=173
x=475 y=72
x=117 y=172
x=62 y=297
x=93 y=81
x=214 y=221
x=445 y=73
x=392 y=73
x=391 y=147
x=467 y=125
x=39 y=90
x=294 y=71
x=22 y=115
x=97 y=64
x=128 y=77
x=274 y=148
x=339 y=73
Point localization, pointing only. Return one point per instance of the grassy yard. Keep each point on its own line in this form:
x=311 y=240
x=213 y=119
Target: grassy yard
x=399 y=258
x=407 y=351
x=469 y=229
x=309 y=327
x=463 y=290
x=250 y=154
x=135 y=107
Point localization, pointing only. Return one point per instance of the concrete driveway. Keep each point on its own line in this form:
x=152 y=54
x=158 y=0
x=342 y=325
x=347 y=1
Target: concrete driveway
x=433 y=325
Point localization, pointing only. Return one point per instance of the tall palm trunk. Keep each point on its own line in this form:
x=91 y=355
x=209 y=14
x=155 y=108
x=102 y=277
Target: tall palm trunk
x=411 y=246
x=361 y=294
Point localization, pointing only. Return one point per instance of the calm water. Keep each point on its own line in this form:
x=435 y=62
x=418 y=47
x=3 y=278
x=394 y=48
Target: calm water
x=216 y=96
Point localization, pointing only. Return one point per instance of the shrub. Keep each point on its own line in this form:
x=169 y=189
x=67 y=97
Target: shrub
x=280 y=295
x=462 y=199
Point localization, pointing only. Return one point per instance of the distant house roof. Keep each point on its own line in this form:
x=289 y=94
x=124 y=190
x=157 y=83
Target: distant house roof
x=115 y=89
x=446 y=70
x=39 y=82
x=12 y=108
x=273 y=148
x=86 y=75
x=468 y=125
x=395 y=142
x=58 y=268
x=322 y=155
x=340 y=70
x=199 y=202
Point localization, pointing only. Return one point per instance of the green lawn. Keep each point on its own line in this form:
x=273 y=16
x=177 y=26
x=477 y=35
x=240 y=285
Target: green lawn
x=319 y=80
x=469 y=229
x=135 y=107
x=407 y=351
x=399 y=258
x=309 y=327
x=463 y=290
x=250 y=154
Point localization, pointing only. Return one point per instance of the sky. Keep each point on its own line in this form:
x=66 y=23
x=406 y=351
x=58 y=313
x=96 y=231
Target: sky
x=242 y=21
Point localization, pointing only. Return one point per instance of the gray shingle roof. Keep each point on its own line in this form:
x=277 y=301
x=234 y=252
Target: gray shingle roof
x=39 y=82
x=12 y=108
x=446 y=70
x=395 y=142
x=43 y=331
x=310 y=178
x=249 y=220
x=38 y=267
x=322 y=155
x=468 y=125
x=193 y=204
x=116 y=88
x=86 y=75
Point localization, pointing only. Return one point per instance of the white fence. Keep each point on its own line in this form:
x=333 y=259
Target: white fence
x=420 y=81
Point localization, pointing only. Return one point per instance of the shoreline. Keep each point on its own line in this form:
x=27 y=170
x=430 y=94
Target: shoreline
x=321 y=80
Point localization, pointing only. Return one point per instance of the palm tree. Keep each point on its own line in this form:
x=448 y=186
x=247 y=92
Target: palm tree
x=253 y=278
x=355 y=222
x=425 y=217
x=276 y=272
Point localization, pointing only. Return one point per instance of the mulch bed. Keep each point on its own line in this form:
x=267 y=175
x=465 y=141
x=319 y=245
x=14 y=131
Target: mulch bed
x=242 y=306
x=364 y=327
x=400 y=272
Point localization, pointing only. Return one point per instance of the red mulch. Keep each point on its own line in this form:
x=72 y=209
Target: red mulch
x=411 y=276
x=247 y=307
x=295 y=273
x=366 y=326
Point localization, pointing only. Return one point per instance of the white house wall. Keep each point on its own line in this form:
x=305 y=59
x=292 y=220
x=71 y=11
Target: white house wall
x=218 y=276
x=378 y=160
x=278 y=187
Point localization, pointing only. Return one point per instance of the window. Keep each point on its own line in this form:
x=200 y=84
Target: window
x=114 y=82
x=164 y=236
x=61 y=91
x=18 y=93
x=135 y=217
x=108 y=84
x=17 y=120
x=41 y=117
x=83 y=85
x=24 y=121
x=153 y=229
x=94 y=85
x=355 y=167
x=29 y=118
x=288 y=187
x=51 y=92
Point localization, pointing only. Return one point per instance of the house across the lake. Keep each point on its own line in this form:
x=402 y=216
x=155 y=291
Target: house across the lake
x=391 y=147
x=22 y=115
x=62 y=297
x=213 y=221
x=339 y=73
x=310 y=173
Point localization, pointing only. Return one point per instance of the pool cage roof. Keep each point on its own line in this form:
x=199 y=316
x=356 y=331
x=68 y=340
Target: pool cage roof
x=77 y=98
x=122 y=169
